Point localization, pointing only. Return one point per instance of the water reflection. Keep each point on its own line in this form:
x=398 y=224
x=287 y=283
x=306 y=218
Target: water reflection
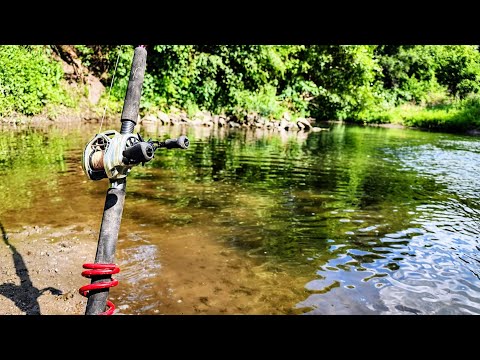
x=348 y=221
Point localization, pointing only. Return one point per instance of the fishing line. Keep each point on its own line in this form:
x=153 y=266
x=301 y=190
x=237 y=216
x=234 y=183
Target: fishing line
x=109 y=92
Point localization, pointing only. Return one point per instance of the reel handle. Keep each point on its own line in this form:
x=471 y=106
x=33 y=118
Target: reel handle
x=181 y=142
x=140 y=152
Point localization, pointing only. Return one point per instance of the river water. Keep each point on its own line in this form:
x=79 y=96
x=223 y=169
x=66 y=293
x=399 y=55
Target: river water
x=353 y=220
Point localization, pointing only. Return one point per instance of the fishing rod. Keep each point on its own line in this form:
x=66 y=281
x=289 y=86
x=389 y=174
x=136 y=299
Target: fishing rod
x=111 y=154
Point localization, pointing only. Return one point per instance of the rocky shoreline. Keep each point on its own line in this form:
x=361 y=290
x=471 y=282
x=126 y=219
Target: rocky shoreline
x=175 y=117
x=252 y=120
x=202 y=119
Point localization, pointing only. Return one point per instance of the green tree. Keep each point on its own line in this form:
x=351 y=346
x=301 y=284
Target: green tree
x=29 y=80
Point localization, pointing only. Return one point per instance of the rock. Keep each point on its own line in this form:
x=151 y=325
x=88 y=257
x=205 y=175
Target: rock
x=303 y=124
x=251 y=118
x=284 y=124
x=164 y=118
x=233 y=118
x=174 y=118
x=275 y=124
x=222 y=122
x=95 y=89
x=316 y=129
x=203 y=118
x=286 y=115
x=269 y=124
x=150 y=118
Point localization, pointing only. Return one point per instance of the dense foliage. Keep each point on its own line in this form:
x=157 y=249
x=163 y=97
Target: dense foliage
x=29 y=80
x=427 y=85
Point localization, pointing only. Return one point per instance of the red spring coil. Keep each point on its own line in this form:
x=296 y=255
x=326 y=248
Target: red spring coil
x=100 y=269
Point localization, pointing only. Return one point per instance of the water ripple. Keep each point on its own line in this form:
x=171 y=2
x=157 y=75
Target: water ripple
x=139 y=263
x=431 y=267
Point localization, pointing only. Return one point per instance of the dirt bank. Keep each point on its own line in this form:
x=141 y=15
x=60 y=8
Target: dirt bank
x=40 y=270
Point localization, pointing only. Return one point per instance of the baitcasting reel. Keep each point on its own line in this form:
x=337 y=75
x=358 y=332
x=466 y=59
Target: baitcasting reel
x=112 y=155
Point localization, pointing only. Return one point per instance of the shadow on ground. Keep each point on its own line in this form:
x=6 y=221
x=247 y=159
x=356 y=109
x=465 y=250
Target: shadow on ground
x=25 y=296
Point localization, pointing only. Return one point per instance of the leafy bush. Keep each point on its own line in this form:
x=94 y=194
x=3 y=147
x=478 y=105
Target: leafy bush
x=29 y=79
